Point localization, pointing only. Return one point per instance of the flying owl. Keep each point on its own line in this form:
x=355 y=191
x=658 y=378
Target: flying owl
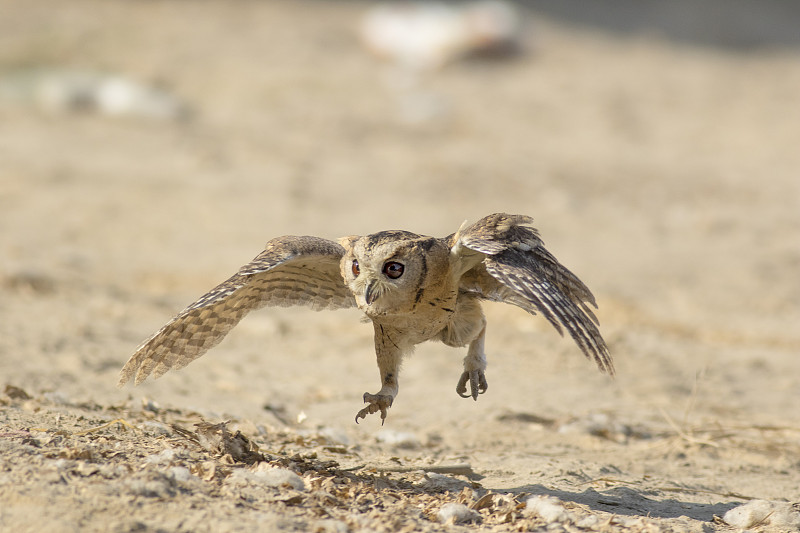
x=412 y=287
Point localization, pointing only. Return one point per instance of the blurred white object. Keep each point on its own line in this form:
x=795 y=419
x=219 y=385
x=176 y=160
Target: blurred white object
x=60 y=91
x=755 y=513
x=428 y=35
x=401 y=439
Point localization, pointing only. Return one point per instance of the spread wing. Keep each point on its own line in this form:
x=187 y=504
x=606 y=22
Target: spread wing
x=290 y=271
x=506 y=261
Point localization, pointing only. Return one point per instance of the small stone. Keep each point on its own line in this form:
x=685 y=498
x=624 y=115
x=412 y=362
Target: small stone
x=456 y=513
x=763 y=512
x=549 y=508
x=163 y=457
x=441 y=482
x=265 y=475
x=181 y=474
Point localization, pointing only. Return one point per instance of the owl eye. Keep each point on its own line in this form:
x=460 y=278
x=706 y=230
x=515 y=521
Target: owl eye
x=356 y=270
x=393 y=269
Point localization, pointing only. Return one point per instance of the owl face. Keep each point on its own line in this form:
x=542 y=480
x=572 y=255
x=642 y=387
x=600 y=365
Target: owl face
x=386 y=270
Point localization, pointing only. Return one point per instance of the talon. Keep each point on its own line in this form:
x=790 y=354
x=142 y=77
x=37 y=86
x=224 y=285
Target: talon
x=477 y=384
x=473 y=385
x=377 y=402
x=461 y=388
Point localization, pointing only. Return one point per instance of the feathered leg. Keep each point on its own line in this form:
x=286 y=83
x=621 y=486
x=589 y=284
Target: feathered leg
x=474 y=369
x=389 y=356
x=468 y=326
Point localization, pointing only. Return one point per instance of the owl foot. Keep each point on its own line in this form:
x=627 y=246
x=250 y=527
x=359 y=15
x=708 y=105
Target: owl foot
x=377 y=402
x=477 y=384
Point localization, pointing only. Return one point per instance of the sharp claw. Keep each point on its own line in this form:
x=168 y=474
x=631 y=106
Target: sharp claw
x=376 y=403
x=473 y=385
x=477 y=384
x=461 y=388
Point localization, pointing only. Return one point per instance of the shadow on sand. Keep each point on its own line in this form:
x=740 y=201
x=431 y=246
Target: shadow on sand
x=631 y=502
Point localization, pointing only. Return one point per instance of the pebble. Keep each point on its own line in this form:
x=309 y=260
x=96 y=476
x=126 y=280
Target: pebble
x=441 y=482
x=549 y=508
x=163 y=457
x=763 y=512
x=181 y=474
x=266 y=475
x=456 y=513
x=157 y=428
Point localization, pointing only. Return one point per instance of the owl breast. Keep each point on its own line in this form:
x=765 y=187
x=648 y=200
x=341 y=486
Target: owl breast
x=422 y=320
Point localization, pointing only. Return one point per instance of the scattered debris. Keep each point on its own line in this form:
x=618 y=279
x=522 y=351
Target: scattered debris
x=217 y=439
x=211 y=463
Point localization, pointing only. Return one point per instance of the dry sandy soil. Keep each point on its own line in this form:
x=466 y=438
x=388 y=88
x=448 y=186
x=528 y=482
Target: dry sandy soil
x=665 y=174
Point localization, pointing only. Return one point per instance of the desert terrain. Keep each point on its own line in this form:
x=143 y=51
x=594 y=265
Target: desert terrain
x=663 y=171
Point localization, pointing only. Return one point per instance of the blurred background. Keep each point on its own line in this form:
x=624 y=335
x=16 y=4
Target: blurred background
x=150 y=148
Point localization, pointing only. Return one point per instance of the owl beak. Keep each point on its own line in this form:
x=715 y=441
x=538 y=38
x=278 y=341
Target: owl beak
x=372 y=293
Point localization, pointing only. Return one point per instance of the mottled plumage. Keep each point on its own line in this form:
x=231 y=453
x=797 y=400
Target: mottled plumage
x=413 y=288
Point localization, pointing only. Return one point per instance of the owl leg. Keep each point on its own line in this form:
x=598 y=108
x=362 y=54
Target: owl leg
x=389 y=356
x=474 y=368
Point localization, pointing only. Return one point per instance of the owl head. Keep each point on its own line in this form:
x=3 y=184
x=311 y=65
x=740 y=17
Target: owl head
x=389 y=272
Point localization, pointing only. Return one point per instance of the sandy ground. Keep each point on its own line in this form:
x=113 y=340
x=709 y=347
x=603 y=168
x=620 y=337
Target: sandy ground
x=664 y=174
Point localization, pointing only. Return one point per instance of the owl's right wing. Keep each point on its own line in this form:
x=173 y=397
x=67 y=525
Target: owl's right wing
x=504 y=260
x=290 y=271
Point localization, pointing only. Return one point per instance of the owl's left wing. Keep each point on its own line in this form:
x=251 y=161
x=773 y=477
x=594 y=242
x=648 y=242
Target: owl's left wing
x=290 y=271
x=505 y=260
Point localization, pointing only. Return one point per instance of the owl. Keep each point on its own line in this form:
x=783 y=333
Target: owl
x=413 y=288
